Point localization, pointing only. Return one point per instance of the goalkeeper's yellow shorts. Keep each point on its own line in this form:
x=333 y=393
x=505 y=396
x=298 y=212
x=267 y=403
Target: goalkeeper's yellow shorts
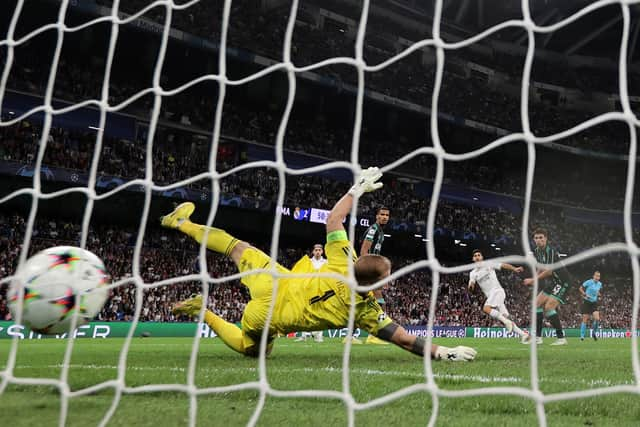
x=260 y=287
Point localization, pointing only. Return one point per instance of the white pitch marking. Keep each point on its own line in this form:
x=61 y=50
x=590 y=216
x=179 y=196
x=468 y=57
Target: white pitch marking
x=483 y=379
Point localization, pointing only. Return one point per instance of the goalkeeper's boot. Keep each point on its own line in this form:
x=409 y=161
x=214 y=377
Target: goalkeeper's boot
x=526 y=338
x=179 y=215
x=189 y=307
x=375 y=340
x=560 y=341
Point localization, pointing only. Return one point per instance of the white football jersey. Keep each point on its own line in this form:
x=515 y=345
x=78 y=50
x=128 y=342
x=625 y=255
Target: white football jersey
x=486 y=277
x=318 y=263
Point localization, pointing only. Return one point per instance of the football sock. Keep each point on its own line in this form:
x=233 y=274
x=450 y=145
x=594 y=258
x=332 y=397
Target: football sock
x=539 y=314
x=518 y=331
x=496 y=315
x=217 y=240
x=583 y=329
x=594 y=326
x=552 y=315
x=228 y=332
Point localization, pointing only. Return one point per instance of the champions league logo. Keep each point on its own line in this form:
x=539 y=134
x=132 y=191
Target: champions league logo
x=109 y=182
x=29 y=171
x=180 y=193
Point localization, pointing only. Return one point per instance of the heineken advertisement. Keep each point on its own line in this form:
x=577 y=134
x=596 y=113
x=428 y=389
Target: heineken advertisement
x=153 y=329
x=547 y=332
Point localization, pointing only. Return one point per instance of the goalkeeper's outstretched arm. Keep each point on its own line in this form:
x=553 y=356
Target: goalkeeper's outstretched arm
x=398 y=335
x=369 y=269
x=366 y=182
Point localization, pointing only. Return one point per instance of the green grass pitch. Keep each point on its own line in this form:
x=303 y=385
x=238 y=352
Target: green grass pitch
x=374 y=372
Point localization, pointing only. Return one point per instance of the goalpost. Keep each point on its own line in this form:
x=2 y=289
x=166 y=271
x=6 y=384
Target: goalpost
x=263 y=386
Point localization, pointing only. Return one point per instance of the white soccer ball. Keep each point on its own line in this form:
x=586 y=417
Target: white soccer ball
x=55 y=283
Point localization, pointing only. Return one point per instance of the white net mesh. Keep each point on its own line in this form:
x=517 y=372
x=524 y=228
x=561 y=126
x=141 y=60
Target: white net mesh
x=262 y=385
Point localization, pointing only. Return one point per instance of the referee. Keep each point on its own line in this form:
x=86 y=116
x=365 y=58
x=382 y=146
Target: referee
x=590 y=291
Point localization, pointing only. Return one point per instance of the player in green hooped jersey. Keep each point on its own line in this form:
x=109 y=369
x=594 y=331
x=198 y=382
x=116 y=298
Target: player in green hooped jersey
x=372 y=244
x=553 y=286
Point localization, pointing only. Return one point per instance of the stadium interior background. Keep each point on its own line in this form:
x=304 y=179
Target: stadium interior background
x=579 y=184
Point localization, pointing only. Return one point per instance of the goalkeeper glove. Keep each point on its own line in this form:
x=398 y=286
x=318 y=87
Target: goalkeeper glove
x=366 y=182
x=456 y=354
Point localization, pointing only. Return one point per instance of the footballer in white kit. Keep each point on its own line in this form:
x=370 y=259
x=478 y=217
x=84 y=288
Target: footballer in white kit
x=485 y=277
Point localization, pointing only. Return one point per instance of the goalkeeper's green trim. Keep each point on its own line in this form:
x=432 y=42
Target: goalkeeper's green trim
x=336 y=236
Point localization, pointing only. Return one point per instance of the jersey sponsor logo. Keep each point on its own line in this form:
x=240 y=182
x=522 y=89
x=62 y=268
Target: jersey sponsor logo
x=328 y=294
x=348 y=253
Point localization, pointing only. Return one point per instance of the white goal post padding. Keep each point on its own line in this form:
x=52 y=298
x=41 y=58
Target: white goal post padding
x=262 y=385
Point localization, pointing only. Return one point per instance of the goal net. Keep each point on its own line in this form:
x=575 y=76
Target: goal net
x=49 y=110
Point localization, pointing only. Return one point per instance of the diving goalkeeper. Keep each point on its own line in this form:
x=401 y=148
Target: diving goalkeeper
x=304 y=304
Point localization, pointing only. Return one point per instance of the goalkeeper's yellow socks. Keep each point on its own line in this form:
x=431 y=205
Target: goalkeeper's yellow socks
x=217 y=240
x=228 y=332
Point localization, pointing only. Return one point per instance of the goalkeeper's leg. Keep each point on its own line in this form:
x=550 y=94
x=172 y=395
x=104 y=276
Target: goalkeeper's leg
x=245 y=256
x=228 y=332
x=218 y=240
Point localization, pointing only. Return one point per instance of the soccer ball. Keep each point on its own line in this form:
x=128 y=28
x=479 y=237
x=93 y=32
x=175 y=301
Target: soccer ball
x=55 y=283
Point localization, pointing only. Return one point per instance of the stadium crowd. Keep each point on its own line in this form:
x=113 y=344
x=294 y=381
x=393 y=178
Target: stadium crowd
x=461 y=95
x=175 y=161
x=168 y=255
x=69 y=149
x=177 y=156
x=247 y=19
x=251 y=30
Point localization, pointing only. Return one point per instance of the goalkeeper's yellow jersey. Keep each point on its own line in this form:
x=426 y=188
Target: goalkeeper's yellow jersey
x=313 y=303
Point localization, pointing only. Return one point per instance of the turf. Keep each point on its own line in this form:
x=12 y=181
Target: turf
x=375 y=372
